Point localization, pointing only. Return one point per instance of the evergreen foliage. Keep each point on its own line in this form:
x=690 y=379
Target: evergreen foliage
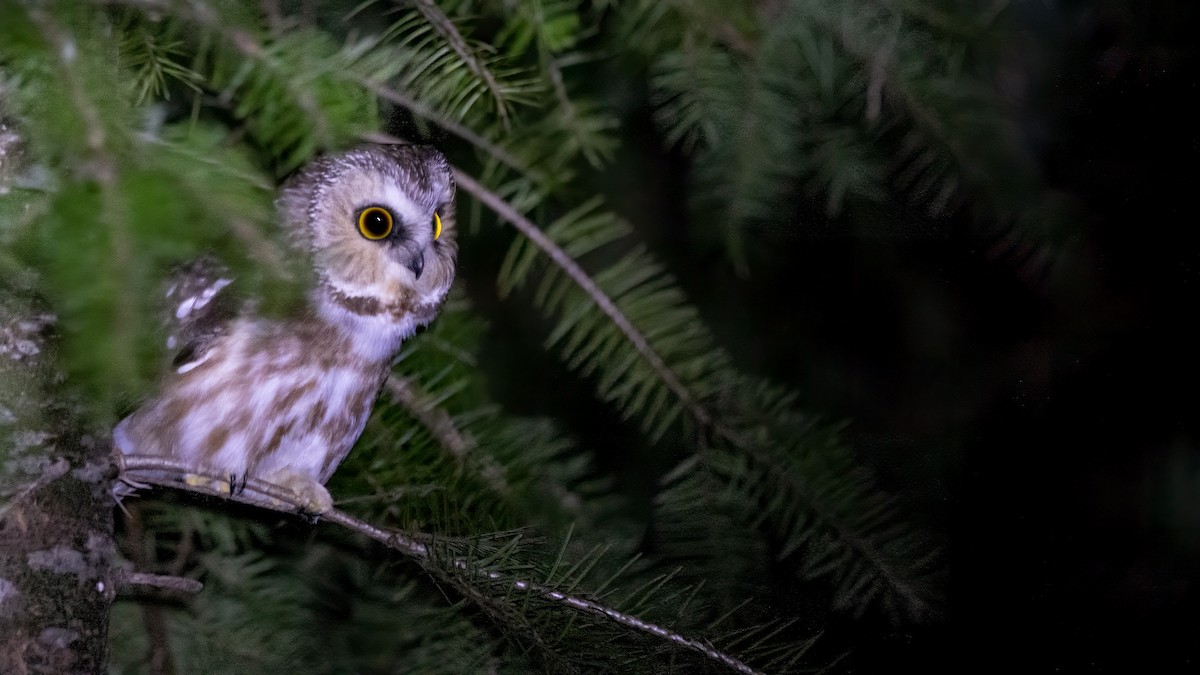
x=155 y=130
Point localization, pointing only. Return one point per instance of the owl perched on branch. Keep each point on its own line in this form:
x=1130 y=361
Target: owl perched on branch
x=283 y=400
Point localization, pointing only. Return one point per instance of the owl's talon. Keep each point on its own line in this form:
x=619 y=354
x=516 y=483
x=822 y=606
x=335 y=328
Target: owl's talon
x=235 y=487
x=311 y=518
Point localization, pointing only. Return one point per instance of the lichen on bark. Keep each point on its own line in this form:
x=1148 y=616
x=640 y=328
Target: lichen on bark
x=57 y=554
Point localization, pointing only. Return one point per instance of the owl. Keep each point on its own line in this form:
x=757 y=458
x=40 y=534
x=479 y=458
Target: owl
x=284 y=399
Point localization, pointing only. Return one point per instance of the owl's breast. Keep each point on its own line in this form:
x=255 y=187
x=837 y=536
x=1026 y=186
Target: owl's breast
x=271 y=396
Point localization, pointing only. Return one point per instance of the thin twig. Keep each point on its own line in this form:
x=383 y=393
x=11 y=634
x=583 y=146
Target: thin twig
x=169 y=473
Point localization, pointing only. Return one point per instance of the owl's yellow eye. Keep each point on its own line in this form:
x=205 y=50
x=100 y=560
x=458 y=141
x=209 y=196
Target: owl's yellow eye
x=375 y=222
x=437 y=225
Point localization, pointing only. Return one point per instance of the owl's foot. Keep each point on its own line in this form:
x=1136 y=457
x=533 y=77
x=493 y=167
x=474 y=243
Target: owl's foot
x=312 y=497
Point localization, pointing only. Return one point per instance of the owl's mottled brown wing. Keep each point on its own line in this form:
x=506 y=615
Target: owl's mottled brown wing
x=199 y=310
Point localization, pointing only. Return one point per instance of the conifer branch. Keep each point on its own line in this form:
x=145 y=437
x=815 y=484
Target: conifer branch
x=146 y=470
x=606 y=305
x=446 y=28
x=319 y=128
x=855 y=539
x=858 y=539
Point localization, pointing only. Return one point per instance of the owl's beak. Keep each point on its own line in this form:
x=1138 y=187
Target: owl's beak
x=417 y=264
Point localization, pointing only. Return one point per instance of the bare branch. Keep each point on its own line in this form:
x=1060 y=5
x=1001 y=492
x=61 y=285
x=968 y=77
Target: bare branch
x=165 y=582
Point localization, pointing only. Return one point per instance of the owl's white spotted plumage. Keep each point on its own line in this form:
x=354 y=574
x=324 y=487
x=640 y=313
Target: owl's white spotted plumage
x=284 y=399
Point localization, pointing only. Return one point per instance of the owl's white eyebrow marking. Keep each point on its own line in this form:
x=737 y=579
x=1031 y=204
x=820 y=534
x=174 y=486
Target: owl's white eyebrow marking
x=197 y=301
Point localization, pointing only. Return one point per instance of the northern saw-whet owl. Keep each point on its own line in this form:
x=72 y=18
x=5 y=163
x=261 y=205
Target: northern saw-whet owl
x=284 y=399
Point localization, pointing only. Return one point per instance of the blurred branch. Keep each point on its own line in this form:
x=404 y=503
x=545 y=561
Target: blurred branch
x=407 y=393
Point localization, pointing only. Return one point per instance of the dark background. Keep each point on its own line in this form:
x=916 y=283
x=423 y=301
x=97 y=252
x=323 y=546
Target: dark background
x=1031 y=395
x=1045 y=408
x=1060 y=407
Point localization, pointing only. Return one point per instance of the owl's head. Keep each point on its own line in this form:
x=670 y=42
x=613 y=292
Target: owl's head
x=378 y=221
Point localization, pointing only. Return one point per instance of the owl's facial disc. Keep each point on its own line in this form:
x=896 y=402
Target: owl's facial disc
x=379 y=223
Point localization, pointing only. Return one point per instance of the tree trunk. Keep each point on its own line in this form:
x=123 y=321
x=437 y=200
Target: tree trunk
x=58 y=569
